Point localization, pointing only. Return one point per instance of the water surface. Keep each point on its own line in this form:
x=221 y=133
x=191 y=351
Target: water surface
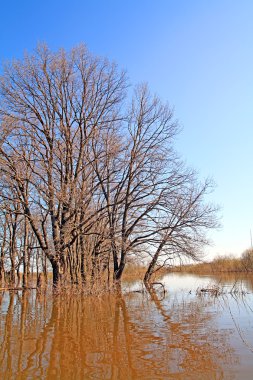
x=139 y=335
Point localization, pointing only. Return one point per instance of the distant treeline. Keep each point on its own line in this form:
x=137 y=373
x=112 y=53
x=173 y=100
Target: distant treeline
x=222 y=264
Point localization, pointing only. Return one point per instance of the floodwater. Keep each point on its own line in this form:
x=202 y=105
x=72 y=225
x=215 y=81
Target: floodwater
x=140 y=335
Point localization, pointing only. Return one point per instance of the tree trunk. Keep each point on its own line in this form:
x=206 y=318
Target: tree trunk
x=12 y=272
x=3 y=253
x=153 y=262
x=25 y=255
x=1 y=270
x=150 y=269
x=56 y=272
x=118 y=273
x=83 y=274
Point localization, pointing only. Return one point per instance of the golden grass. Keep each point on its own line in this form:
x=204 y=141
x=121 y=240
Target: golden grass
x=221 y=264
x=133 y=272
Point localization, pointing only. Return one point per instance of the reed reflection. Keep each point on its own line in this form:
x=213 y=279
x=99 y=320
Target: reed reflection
x=240 y=281
x=131 y=337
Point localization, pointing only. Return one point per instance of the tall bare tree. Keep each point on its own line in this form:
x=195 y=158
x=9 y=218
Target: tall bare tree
x=94 y=180
x=52 y=107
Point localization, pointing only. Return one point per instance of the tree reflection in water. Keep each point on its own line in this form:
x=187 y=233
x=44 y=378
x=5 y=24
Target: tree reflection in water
x=134 y=336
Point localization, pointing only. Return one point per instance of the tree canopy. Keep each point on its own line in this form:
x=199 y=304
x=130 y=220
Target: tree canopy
x=89 y=174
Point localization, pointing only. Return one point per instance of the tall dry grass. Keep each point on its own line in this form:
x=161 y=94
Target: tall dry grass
x=222 y=264
x=133 y=272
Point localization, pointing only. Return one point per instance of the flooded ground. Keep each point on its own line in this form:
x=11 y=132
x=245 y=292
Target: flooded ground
x=141 y=335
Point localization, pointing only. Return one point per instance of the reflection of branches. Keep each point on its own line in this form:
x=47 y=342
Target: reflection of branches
x=238 y=329
x=6 y=342
x=238 y=294
x=240 y=297
x=38 y=355
x=107 y=338
x=154 y=297
x=120 y=306
x=193 y=355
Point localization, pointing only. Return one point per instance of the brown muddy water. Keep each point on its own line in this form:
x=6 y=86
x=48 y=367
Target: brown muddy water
x=139 y=335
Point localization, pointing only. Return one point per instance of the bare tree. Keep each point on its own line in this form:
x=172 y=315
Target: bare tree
x=52 y=106
x=182 y=225
x=93 y=179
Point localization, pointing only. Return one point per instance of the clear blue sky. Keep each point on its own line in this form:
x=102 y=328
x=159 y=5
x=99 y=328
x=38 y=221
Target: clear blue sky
x=196 y=54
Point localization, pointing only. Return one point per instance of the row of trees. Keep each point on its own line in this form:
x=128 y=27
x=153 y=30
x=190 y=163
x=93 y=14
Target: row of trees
x=89 y=175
